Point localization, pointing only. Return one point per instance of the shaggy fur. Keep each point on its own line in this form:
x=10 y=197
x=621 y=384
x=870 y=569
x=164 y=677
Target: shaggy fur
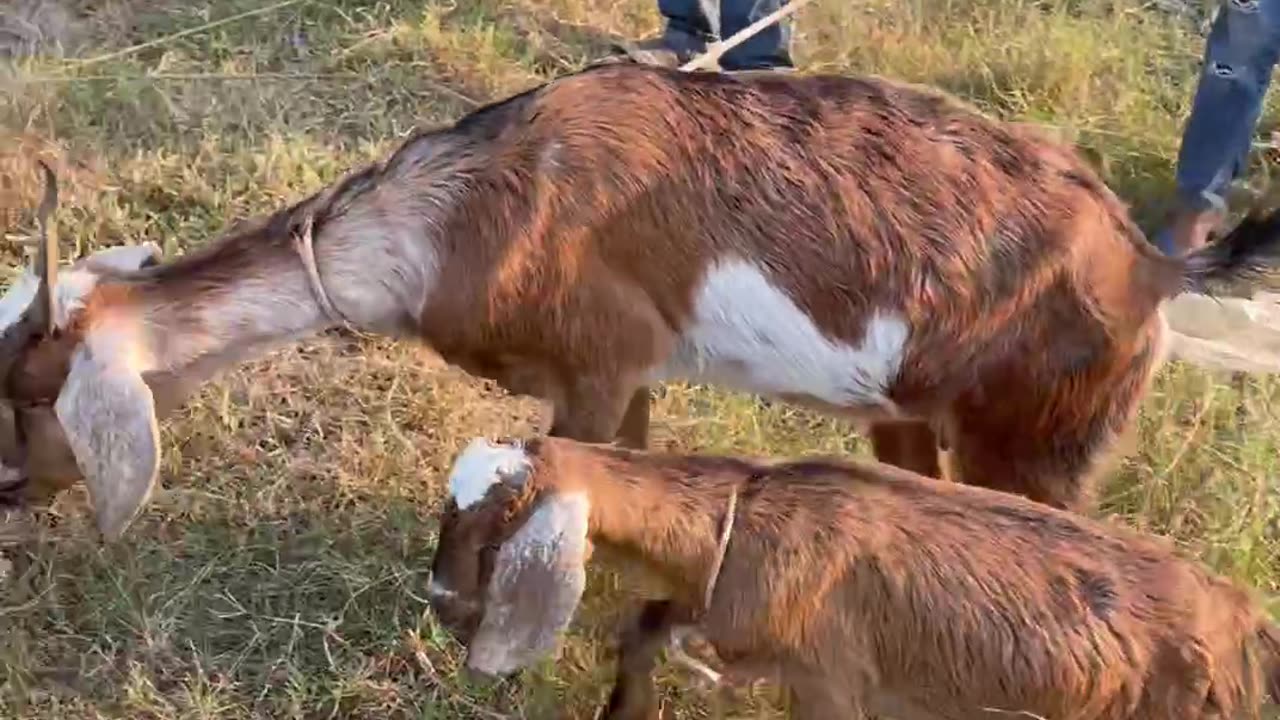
x=855 y=245
x=866 y=588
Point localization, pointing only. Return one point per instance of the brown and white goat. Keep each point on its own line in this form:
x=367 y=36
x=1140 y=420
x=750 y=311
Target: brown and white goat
x=851 y=244
x=861 y=586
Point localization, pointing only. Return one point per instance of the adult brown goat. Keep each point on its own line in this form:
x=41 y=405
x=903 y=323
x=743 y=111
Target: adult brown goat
x=851 y=244
x=862 y=587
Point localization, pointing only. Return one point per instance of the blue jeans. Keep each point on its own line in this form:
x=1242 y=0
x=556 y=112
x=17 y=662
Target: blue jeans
x=1240 y=54
x=711 y=20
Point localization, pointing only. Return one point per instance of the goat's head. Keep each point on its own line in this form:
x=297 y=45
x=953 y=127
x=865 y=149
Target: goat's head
x=67 y=412
x=509 y=567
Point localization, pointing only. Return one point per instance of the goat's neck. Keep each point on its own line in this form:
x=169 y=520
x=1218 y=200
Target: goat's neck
x=250 y=291
x=673 y=526
x=199 y=314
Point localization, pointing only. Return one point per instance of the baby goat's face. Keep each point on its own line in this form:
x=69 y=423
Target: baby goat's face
x=463 y=563
x=509 y=566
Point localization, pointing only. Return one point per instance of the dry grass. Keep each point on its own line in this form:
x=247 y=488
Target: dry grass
x=281 y=573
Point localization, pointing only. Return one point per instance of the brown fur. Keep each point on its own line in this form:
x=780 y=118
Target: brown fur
x=1017 y=270
x=865 y=587
x=568 y=229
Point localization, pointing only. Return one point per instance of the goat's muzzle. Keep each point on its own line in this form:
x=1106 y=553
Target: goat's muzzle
x=458 y=615
x=35 y=458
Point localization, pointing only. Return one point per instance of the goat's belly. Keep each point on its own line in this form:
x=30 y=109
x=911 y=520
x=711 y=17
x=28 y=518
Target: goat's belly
x=748 y=335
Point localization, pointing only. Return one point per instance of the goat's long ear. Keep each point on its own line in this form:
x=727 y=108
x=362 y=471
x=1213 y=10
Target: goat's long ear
x=108 y=415
x=535 y=587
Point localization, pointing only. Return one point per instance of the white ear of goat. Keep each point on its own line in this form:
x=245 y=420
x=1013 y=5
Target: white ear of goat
x=536 y=584
x=108 y=415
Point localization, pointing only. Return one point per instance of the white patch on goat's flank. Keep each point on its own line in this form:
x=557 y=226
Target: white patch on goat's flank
x=750 y=335
x=481 y=466
x=71 y=288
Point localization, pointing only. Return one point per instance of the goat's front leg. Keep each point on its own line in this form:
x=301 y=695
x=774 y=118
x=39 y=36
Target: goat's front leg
x=591 y=409
x=634 y=696
x=634 y=431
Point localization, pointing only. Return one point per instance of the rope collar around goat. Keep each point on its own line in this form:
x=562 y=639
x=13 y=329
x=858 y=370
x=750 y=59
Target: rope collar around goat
x=722 y=548
x=304 y=244
x=675 y=645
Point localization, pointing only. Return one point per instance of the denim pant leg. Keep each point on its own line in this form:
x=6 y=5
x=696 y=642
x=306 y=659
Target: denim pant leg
x=768 y=48
x=712 y=20
x=697 y=18
x=1240 y=54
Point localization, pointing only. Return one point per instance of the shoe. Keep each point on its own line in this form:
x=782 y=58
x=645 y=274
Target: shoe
x=671 y=49
x=1188 y=229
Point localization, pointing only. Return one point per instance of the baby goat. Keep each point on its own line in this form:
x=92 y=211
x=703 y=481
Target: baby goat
x=863 y=587
x=850 y=244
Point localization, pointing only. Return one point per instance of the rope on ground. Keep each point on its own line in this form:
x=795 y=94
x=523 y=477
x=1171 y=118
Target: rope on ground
x=183 y=33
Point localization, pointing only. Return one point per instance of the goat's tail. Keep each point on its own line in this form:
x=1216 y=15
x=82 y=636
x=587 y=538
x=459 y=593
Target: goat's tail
x=1248 y=250
x=1269 y=640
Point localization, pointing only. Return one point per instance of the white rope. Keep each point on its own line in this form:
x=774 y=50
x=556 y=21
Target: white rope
x=722 y=548
x=305 y=247
x=675 y=646
x=711 y=58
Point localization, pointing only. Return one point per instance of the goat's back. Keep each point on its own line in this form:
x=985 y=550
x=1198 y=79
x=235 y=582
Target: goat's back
x=625 y=187
x=947 y=596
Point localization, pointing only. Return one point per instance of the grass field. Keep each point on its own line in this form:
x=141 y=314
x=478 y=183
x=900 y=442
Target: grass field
x=281 y=573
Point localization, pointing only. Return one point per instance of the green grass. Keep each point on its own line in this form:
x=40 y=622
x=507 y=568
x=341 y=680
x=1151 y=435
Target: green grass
x=281 y=573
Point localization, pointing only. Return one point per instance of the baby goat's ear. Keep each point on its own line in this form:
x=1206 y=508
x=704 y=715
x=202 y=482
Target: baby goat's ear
x=108 y=415
x=537 y=581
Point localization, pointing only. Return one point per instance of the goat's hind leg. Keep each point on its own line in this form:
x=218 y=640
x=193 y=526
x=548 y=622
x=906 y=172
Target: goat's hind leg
x=1054 y=440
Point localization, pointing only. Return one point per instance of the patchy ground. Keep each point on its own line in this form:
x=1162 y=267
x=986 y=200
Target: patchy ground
x=281 y=573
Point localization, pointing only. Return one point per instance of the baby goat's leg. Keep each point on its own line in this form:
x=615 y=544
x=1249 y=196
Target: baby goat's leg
x=634 y=696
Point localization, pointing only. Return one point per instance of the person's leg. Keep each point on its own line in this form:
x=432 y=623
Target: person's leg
x=769 y=48
x=696 y=18
x=1240 y=54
